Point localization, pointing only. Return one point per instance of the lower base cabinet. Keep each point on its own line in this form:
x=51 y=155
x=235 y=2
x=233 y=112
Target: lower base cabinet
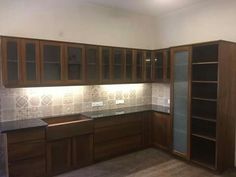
x=161 y=130
x=69 y=153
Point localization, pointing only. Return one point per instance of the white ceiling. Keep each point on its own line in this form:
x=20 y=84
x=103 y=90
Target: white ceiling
x=148 y=7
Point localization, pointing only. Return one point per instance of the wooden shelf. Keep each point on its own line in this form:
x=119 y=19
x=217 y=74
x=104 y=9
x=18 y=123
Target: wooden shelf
x=204 y=99
x=207 y=82
x=205 y=63
x=204 y=119
x=204 y=137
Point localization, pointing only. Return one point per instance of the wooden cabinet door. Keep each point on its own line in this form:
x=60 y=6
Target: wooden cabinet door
x=105 y=55
x=30 y=62
x=92 y=65
x=59 y=156
x=129 y=66
x=139 y=66
x=118 y=65
x=74 y=63
x=11 y=57
x=161 y=131
x=82 y=150
x=52 y=63
x=148 y=66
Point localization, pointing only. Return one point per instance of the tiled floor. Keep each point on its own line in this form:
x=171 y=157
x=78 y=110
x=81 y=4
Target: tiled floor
x=146 y=163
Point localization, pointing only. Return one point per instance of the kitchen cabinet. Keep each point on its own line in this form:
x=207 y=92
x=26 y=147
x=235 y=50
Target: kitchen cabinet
x=118 y=65
x=129 y=66
x=52 y=63
x=74 y=64
x=148 y=66
x=139 y=66
x=26 y=153
x=161 y=66
x=161 y=130
x=106 y=64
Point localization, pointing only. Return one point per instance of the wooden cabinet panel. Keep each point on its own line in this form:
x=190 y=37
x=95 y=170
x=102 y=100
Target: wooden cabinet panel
x=147 y=128
x=52 y=63
x=118 y=65
x=59 y=156
x=26 y=150
x=82 y=150
x=74 y=64
x=105 y=55
x=117 y=131
x=35 y=167
x=26 y=135
x=161 y=130
x=129 y=66
x=116 y=147
x=139 y=66
x=11 y=57
x=148 y=66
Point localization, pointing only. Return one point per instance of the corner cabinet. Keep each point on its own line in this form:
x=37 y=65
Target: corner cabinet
x=161 y=66
x=180 y=96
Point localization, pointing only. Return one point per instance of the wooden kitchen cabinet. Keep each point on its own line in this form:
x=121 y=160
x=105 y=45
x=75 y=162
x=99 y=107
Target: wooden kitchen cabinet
x=139 y=66
x=105 y=55
x=148 y=66
x=26 y=153
x=118 y=65
x=129 y=66
x=161 y=66
x=161 y=130
x=74 y=64
x=52 y=63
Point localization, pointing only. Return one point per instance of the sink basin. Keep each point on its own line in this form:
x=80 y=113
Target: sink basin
x=67 y=126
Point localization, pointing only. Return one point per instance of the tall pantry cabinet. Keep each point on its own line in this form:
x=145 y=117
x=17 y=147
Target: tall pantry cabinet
x=203 y=106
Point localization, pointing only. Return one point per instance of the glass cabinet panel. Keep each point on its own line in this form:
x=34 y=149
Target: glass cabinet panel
x=11 y=57
x=129 y=65
x=168 y=65
x=158 y=66
x=148 y=66
x=118 y=63
x=180 y=112
x=139 y=65
x=74 y=58
x=106 y=63
x=92 y=64
x=52 y=61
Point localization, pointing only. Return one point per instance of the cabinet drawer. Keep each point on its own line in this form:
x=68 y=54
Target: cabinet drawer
x=35 y=167
x=25 y=150
x=69 y=130
x=116 y=120
x=26 y=135
x=117 y=147
x=118 y=131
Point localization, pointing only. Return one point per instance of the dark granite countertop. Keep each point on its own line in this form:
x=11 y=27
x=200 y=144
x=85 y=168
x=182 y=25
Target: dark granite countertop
x=127 y=110
x=21 y=124
x=33 y=123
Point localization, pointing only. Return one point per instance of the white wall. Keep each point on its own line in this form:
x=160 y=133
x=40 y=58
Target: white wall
x=210 y=20
x=74 y=20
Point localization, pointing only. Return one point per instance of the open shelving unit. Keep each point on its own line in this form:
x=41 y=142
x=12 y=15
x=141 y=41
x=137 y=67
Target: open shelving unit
x=204 y=104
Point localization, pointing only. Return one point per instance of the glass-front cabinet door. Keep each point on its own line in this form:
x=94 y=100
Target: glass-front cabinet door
x=118 y=65
x=181 y=80
x=105 y=56
x=148 y=66
x=74 y=63
x=92 y=64
x=12 y=74
x=52 y=68
x=158 y=66
x=30 y=62
x=129 y=65
x=139 y=66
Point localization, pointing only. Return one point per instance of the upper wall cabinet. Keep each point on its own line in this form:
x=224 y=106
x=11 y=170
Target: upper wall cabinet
x=52 y=63
x=74 y=63
x=139 y=66
x=161 y=66
x=118 y=65
x=92 y=64
x=148 y=66
x=129 y=65
x=21 y=65
x=105 y=54
x=11 y=54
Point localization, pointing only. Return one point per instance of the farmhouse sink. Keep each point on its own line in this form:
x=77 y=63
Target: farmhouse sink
x=67 y=126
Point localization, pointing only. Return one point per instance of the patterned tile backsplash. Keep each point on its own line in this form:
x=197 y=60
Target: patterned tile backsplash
x=27 y=103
